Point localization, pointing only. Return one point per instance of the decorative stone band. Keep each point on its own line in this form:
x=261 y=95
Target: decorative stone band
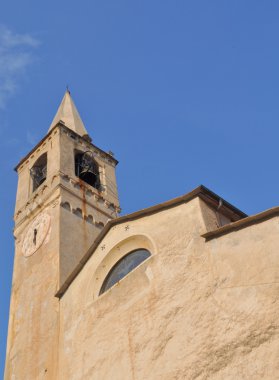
x=78 y=212
x=108 y=157
x=98 y=196
x=37 y=197
x=42 y=144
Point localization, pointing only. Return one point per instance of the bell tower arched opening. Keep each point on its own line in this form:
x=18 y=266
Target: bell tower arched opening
x=87 y=169
x=38 y=172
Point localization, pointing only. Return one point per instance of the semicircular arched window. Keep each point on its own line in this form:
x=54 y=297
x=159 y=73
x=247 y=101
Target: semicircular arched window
x=124 y=266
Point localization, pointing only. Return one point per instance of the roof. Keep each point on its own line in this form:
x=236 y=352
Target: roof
x=68 y=113
x=207 y=195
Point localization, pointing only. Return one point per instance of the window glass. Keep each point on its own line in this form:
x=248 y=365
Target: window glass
x=123 y=267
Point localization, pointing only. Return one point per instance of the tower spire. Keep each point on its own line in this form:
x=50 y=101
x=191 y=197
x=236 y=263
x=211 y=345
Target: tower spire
x=68 y=113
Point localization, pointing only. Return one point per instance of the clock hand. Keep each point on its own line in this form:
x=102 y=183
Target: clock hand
x=35 y=236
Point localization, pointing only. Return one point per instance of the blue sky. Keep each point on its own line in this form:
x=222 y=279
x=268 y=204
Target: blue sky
x=183 y=92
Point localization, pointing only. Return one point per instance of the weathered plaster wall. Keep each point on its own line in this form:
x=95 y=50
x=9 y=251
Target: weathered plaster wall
x=125 y=333
x=77 y=231
x=34 y=311
x=245 y=285
x=194 y=310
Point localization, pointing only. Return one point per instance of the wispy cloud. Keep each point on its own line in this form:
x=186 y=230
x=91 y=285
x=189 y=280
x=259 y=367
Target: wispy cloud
x=16 y=54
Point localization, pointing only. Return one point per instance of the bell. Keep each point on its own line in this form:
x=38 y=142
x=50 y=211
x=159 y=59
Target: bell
x=87 y=169
x=38 y=174
x=88 y=176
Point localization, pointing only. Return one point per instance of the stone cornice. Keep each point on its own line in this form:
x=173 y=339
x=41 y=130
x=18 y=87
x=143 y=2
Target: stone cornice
x=45 y=192
x=60 y=126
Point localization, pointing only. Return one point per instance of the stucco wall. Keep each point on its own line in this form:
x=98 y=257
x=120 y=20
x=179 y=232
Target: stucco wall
x=34 y=311
x=194 y=310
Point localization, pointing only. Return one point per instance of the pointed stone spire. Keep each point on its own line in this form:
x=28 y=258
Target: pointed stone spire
x=68 y=113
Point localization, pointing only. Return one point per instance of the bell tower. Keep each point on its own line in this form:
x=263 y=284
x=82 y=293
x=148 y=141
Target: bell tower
x=66 y=194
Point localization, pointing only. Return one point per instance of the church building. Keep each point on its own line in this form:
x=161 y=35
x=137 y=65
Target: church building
x=185 y=289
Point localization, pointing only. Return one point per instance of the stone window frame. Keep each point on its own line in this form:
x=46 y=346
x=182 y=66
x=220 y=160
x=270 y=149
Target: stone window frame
x=107 y=260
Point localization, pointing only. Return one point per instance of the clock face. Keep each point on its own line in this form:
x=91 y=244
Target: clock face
x=35 y=234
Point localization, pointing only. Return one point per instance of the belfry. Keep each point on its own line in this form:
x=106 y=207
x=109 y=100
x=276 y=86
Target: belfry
x=186 y=289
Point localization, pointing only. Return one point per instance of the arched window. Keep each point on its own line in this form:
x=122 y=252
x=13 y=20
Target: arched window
x=87 y=169
x=78 y=212
x=89 y=219
x=66 y=206
x=39 y=171
x=123 y=267
x=100 y=224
